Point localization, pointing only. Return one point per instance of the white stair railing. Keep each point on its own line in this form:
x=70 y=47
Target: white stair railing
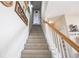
x=61 y=40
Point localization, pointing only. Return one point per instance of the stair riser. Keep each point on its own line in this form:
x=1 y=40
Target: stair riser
x=37 y=30
x=36 y=37
x=36 y=53
x=36 y=34
x=36 y=48
x=36 y=40
x=36 y=44
x=36 y=56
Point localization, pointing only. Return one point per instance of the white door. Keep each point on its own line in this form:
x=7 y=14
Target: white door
x=36 y=18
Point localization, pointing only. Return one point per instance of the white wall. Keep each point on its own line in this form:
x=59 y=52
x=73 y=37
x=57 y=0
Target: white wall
x=13 y=32
x=30 y=24
x=43 y=8
x=56 y=8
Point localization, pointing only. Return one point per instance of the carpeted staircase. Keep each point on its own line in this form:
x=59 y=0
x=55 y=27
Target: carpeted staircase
x=36 y=46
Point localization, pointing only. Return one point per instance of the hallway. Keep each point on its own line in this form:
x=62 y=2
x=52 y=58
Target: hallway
x=36 y=46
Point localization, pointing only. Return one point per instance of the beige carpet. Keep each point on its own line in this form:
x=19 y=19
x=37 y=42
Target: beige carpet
x=36 y=46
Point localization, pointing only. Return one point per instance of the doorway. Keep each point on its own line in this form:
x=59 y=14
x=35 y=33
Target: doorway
x=36 y=17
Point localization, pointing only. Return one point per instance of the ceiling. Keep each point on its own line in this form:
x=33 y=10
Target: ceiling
x=36 y=5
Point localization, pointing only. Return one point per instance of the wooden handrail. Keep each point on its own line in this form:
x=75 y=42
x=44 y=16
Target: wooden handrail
x=7 y=3
x=65 y=38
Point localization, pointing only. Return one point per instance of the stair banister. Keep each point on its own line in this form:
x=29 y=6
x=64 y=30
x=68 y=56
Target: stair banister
x=65 y=38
